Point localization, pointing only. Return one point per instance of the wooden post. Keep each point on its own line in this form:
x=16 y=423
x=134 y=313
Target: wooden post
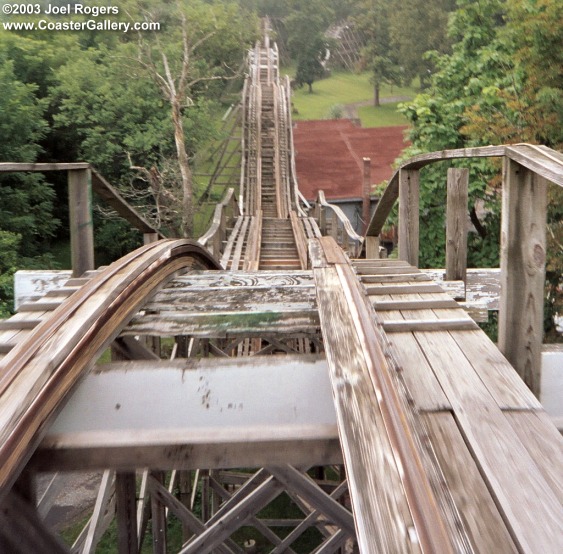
x=408 y=215
x=126 y=492
x=158 y=516
x=322 y=219
x=456 y=224
x=334 y=227
x=81 y=225
x=372 y=247
x=366 y=201
x=149 y=238
x=184 y=496
x=523 y=243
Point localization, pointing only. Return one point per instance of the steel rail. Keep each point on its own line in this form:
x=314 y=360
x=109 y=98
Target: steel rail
x=37 y=375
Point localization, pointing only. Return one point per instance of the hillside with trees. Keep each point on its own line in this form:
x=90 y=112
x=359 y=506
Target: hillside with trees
x=138 y=106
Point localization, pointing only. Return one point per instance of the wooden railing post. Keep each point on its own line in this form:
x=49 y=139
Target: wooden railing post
x=456 y=224
x=149 y=238
x=366 y=193
x=322 y=219
x=523 y=243
x=81 y=224
x=408 y=215
x=334 y=226
x=372 y=247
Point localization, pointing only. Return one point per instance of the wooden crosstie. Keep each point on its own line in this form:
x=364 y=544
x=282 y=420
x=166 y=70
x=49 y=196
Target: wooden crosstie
x=277 y=381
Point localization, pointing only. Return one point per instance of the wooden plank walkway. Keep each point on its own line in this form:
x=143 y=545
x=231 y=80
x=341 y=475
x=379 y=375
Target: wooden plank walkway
x=501 y=457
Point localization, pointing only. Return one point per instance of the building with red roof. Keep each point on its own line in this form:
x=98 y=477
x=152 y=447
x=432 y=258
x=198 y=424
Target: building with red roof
x=329 y=157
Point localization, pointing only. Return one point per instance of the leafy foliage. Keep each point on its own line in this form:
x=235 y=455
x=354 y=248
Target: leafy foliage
x=310 y=62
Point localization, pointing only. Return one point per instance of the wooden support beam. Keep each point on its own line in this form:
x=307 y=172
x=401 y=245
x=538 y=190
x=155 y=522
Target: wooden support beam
x=81 y=224
x=523 y=244
x=23 y=532
x=309 y=521
x=456 y=224
x=158 y=517
x=306 y=488
x=96 y=526
x=8 y=167
x=242 y=420
x=227 y=521
x=409 y=180
x=187 y=518
x=126 y=493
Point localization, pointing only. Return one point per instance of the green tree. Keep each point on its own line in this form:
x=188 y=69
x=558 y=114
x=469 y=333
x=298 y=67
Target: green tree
x=378 y=55
x=416 y=27
x=438 y=118
x=306 y=21
x=26 y=200
x=143 y=104
x=310 y=62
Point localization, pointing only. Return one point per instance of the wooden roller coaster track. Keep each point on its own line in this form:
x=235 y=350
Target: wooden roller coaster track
x=356 y=387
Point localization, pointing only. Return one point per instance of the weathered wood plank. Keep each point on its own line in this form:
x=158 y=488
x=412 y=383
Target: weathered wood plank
x=81 y=223
x=232 y=298
x=203 y=280
x=233 y=236
x=252 y=254
x=420 y=380
x=421 y=304
x=220 y=324
x=483 y=523
x=300 y=239
x=399 y=278
x=237 y=254
x=544 y=444
x=495 y=372
x=379 y=264
x=409 y=288
x=429 y=325
x=126 y=508
x=531 y=511
x=392 y=270
x=41 y=305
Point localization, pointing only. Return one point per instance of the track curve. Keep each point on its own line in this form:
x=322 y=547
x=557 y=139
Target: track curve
x=37 y=375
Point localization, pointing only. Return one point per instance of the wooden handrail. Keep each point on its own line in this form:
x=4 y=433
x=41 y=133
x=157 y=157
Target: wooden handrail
x=540 y=159
x=344 y=221
x=83 y=179
x=527 y=168
x=216 y=233
x=297 y=195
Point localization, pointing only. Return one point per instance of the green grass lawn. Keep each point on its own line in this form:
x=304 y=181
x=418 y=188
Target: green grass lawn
x=385 y=115
x=346 y=88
